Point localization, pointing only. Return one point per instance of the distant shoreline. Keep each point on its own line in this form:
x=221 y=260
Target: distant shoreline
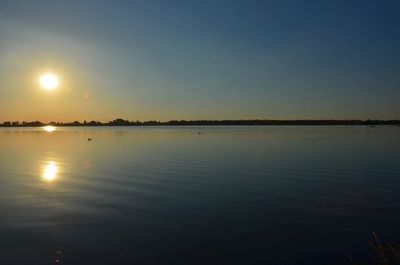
x=256 y=122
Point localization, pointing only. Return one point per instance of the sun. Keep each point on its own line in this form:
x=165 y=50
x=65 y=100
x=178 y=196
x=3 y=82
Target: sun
x=49 y=81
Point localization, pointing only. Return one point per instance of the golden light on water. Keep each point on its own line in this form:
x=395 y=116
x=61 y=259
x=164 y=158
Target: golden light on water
x=49 y=81
x=49 y=128
x=50 y=171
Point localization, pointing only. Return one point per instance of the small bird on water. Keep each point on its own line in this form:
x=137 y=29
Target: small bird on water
x=89 y=139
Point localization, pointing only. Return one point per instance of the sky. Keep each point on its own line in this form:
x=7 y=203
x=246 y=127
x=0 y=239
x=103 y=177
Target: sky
x=163 y=60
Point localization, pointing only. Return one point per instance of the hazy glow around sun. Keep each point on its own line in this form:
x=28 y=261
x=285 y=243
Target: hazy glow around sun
x=49 y=81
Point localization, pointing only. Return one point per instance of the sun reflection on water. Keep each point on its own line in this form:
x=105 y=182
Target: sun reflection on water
x=49 y=128
x=50 y=171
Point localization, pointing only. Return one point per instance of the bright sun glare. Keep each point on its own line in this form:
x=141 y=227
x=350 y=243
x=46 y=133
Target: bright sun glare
x=49 y=128
x=50 y=171
x=49 y=81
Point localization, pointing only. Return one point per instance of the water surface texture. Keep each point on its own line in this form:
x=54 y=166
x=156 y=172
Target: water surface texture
x=196 y=195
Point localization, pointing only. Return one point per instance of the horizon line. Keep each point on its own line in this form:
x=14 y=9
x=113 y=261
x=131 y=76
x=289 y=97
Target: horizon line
x=122 y=122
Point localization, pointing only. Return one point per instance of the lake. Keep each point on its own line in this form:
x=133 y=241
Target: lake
x=197 y=195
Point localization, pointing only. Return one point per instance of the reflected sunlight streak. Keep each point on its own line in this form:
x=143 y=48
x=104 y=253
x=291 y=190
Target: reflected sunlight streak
x=50 y=171
x=49 y=128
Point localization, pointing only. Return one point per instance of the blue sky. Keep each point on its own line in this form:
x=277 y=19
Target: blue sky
x=200 y=59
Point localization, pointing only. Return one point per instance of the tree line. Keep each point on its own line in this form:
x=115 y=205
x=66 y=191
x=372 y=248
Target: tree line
x=122 y=122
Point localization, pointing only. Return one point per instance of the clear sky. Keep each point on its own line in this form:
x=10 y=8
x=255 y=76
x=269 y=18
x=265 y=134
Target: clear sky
x=204 y=59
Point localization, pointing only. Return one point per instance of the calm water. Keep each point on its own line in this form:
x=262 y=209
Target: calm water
x=230 y=195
